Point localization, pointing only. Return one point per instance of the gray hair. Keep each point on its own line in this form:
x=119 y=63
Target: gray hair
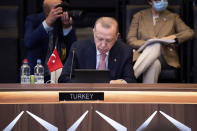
x=107 y=22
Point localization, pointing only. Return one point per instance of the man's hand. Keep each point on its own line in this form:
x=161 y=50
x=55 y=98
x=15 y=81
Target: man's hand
x=53 y=15
x=119 y=81
x=66 y=20
x=171 y=37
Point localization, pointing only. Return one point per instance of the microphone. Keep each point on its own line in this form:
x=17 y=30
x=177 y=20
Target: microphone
x=71 y=68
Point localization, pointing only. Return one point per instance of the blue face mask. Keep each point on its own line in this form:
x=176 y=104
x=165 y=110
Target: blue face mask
x=160 y=5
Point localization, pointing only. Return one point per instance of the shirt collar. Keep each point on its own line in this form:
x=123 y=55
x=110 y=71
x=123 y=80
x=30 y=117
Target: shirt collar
x=98 y=53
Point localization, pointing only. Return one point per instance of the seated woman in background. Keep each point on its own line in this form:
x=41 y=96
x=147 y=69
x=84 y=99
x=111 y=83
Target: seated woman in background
x=159 y=24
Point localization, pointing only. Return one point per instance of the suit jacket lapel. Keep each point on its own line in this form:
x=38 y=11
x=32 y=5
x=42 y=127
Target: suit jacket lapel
x=148 y=22
x=91 y=54
x=114 y=59
x=160 y=24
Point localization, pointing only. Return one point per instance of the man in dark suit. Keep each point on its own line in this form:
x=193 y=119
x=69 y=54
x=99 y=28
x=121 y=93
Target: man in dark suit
x=38 y=28
x=105 y=51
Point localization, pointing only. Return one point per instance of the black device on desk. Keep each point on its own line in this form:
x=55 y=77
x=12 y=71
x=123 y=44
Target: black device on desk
x=92 y=76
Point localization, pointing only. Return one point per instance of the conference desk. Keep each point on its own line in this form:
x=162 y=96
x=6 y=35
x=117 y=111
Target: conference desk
x=37 y=107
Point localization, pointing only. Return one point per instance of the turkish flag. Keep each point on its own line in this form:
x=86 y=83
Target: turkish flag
x=54 y=62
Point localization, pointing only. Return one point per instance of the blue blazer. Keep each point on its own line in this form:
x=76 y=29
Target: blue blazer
x=119 y=61
x=36 y=39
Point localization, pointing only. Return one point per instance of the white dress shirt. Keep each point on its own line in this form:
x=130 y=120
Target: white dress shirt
x=49 y=28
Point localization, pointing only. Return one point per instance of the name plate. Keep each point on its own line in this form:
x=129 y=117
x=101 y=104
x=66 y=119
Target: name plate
x=81 y=96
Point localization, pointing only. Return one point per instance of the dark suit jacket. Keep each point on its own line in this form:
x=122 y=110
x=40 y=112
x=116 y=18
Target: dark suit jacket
x=36 y=39
x=119 y=61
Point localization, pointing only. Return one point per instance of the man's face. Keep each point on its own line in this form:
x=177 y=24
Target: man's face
x=104 y=38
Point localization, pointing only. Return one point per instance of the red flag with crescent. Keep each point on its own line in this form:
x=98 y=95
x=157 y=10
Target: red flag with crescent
x=54 y=62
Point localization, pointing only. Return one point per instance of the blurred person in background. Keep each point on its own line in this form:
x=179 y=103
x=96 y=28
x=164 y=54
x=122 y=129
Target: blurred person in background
x=156 y=22
x=39 y=34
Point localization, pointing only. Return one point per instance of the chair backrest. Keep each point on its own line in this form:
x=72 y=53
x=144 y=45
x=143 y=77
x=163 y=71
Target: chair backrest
x=9 y=21
x=9 y=60
x=84 y=33
x=9 y=38
x=92 y=10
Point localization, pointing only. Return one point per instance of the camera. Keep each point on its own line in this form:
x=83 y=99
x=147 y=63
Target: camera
x=72 y=12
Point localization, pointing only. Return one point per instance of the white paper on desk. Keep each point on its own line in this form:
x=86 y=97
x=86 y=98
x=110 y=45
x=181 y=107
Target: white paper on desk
x=152 y=41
